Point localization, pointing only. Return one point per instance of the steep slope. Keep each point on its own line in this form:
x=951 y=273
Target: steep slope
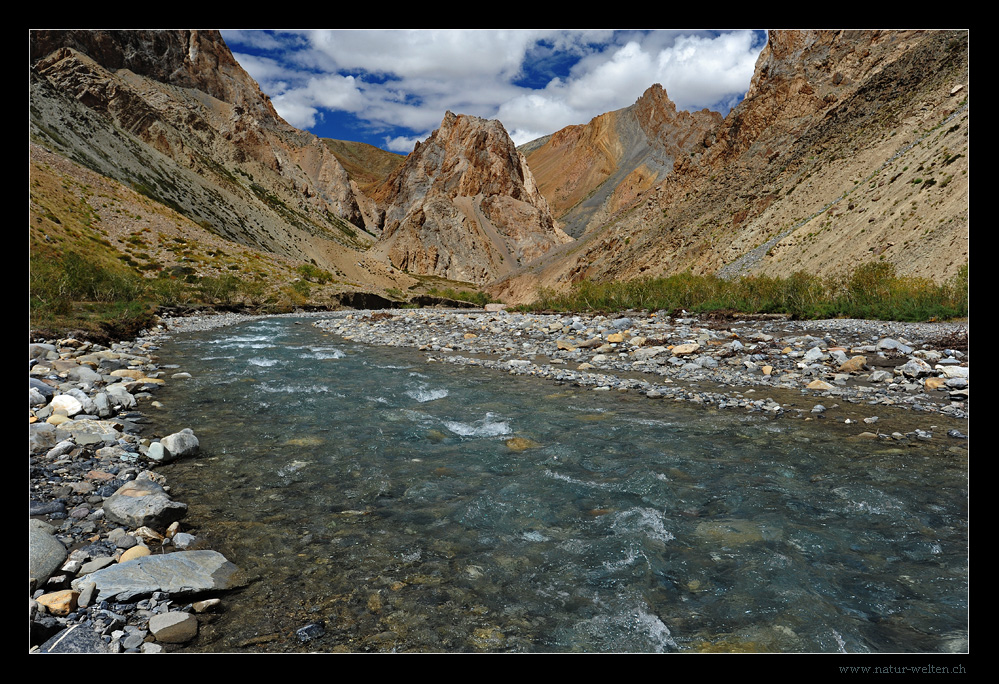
x=464 y=206
x=850 y=146
x=171 y=114
x=591 y=171
x=367 y=167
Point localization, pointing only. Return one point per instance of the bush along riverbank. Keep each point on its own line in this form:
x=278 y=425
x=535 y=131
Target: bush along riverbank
x=872 y=291
x=111 y=565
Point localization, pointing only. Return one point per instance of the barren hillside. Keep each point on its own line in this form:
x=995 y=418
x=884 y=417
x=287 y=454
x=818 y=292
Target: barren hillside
x=849 y=147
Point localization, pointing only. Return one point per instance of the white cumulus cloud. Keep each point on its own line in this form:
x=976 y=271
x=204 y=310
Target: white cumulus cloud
x=535 y=82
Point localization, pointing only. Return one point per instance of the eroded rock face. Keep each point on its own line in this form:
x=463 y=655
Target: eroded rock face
x=590 y=171
x=189 y=59
x=806 y=173
x=172 y=114
x=465 y=206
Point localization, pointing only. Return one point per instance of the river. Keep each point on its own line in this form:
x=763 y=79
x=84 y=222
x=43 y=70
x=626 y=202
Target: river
x=424 y=507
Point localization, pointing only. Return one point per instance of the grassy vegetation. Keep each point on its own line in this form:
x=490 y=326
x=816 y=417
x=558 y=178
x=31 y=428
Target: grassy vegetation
x=102 y=299
x=435 y=286
x=872 y=291
x=85 y=283
x=95 y=295
x=314 y=274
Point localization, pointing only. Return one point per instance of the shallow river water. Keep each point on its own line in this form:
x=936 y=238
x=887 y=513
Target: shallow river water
x=415 y=506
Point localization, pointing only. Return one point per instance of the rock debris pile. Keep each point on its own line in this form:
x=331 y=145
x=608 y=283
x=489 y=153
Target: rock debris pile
x=723 y=364
x=110 y=569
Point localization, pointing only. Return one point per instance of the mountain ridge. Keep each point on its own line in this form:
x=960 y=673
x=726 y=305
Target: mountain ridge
x=828 y=114
x=253 y=177
x=838 y=155
x=464 y=205
x=592 y=170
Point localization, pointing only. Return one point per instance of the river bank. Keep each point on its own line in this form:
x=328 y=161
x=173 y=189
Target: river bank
x=100 y=519
x=833 y=369
x=96 y=501
x=630 y=353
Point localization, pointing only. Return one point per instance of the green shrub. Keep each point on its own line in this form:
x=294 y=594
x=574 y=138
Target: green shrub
x=314 y=274
x=474 y=296
x=872 y=290
x=222 y=290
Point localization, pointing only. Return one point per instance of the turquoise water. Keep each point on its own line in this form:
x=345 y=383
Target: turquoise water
x=415 y=506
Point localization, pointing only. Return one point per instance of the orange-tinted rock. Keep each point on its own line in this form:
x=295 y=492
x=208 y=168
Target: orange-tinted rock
x=60 y=602
x=464 y=206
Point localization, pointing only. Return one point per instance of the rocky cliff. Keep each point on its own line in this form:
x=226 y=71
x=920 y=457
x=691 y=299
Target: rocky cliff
x=850 y=146
x=464 y=206
x=367 y=167
x=589 y=172
x=171 y=114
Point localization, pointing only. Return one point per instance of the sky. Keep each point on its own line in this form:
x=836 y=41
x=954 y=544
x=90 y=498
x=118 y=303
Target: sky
x=391 y=88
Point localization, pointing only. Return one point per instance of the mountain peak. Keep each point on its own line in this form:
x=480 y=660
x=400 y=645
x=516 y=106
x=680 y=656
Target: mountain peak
x=186 y=58
x=465 y=205
x=589 y=172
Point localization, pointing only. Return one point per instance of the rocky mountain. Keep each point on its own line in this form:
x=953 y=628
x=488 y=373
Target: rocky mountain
x=589 y=172
x=464 y=206
x=367 y=167
x=172 y=115
x=850 y=146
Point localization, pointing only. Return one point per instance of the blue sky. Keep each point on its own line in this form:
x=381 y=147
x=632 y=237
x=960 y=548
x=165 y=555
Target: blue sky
x=391 y=88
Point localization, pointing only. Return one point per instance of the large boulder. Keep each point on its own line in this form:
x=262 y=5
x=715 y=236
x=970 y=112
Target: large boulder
x=182 y=572
x=143 y=503
x=41 y=437
x=45 y=552
x=175 y=446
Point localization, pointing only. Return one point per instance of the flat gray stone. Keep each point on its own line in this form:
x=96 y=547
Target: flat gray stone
x=183 y=572
x=143 y=503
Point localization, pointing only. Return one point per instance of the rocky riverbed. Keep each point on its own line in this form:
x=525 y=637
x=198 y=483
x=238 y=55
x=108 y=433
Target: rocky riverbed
x=111 y=566
x=770 y=364
x=114 y=567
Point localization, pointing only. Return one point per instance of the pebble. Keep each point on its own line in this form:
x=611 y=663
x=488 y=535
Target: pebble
x=311 y=631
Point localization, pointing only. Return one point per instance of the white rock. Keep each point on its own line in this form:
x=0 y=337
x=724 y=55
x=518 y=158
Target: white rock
x=66 y=405
x=953 y=371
